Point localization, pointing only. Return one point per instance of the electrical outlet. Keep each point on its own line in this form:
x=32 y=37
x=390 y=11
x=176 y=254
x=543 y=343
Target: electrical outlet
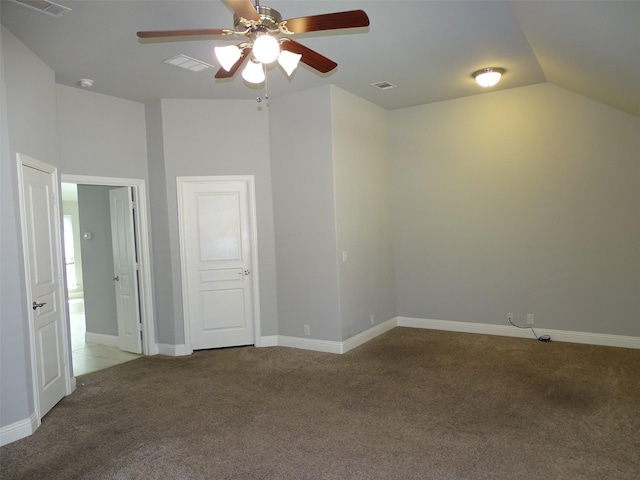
x=307 y=330
x=510 y=317
x=372 y=319
x=530 y=319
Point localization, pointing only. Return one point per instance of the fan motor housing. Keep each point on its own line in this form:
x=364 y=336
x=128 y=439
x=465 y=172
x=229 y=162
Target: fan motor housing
x=269 y=19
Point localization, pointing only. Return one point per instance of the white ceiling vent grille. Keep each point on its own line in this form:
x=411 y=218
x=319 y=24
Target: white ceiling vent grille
x=384 y=85
x=188 y=63
x=44 y=6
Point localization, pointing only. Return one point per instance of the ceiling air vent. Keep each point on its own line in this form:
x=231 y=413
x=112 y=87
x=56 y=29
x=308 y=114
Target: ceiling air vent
x=44 y=6
x=384 y=85
x=188 y=63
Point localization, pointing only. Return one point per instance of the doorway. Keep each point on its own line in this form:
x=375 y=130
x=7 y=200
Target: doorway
x=110 y=308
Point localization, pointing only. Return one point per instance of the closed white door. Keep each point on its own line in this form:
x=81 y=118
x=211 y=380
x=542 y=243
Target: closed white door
x=217 y=246
x=41 y=223
x=125 y=269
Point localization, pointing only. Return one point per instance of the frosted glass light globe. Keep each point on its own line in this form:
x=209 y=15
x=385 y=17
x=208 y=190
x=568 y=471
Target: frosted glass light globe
x=266 y=49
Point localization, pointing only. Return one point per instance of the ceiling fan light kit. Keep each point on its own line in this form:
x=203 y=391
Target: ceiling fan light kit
x=267 y=39
x=253 y=72
x=227 y=56
x=488 y=77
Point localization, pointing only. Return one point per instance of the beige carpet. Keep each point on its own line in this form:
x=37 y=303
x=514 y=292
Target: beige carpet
x=411 y=404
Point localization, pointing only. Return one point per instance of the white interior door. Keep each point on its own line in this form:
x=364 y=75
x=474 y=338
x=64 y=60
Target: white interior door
x=125 y=269
x=41 y=224
x=217 y=245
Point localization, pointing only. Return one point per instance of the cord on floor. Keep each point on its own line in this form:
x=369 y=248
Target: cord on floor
x=542 y=338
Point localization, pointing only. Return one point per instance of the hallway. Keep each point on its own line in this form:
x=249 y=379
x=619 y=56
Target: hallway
x=91 y=357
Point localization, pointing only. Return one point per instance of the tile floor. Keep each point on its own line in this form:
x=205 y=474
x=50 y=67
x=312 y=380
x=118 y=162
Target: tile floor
x=91 y=357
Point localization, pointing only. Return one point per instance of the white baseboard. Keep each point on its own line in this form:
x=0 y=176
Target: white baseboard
x=369 y=334
x=268 y=341
x=17 y=430
x=329 y=346
x=102 y=339
x=601 y=339
x=326 y=346
x=173 y=350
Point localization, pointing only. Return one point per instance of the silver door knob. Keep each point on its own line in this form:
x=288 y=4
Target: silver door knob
x=247 y=271
x=116 y=279
x=38 y=305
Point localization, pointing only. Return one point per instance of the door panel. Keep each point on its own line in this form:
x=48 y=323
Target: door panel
x=42 y=251
x=216 y=246
x=125 y=269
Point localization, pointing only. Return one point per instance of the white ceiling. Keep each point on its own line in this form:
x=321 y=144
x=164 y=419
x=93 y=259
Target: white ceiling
x=427 y=48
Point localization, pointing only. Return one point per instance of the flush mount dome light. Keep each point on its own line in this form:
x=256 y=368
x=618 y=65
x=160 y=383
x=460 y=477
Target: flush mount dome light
x=488 y=77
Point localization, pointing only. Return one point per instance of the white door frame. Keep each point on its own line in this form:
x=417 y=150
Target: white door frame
x=251 y=190
x=149 y=344
x=70 y=384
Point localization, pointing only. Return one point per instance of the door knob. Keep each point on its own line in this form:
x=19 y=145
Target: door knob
x=247 y=271
x=38 y=305
x=116 y=279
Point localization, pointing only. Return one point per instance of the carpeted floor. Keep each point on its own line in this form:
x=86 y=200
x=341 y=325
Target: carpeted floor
x=411 y=404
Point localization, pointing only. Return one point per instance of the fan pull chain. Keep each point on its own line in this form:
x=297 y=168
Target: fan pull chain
x=266 y=85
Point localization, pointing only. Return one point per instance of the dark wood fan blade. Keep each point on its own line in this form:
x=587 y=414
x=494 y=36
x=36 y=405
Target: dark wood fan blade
x=310 y=57
x=328 y=21
x=244 y=9
x=181 y=33
x=222 y=73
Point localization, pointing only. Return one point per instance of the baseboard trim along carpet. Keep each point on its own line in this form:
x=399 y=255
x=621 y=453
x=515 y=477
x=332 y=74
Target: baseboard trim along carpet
x=329 y=346
x=602 y=339
x=17 y=430
x=450 y=326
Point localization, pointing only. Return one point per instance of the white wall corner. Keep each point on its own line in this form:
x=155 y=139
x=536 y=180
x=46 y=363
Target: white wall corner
x=17 y=430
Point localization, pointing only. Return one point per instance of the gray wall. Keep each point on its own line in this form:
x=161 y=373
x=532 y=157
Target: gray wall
x=363 y=212
x=29 y=127
x=219 y=137
x=522 y=201
x=303 y=199
x=101 y=135
x=162 y=270
x=101 y=314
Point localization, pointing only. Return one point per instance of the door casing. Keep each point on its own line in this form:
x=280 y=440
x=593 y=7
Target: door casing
x=149 y=344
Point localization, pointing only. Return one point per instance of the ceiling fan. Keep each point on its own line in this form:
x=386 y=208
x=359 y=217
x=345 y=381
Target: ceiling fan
x=267 y=39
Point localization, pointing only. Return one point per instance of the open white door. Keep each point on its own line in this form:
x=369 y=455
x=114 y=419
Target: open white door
x=41 y=236
x=125 y=269
x=218 y=260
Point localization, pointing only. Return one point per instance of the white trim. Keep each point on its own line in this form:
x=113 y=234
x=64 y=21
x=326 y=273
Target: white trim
x=329 y=346
x=147 y=316
x=325 y=346
x=173 y=350
x=588 y=338
x=102 y=339
x=268 y=341
x=253 y=224
x=17 y=430
x=369 y=334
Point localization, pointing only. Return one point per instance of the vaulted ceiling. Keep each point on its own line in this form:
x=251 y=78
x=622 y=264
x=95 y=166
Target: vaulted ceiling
x=428 y=49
